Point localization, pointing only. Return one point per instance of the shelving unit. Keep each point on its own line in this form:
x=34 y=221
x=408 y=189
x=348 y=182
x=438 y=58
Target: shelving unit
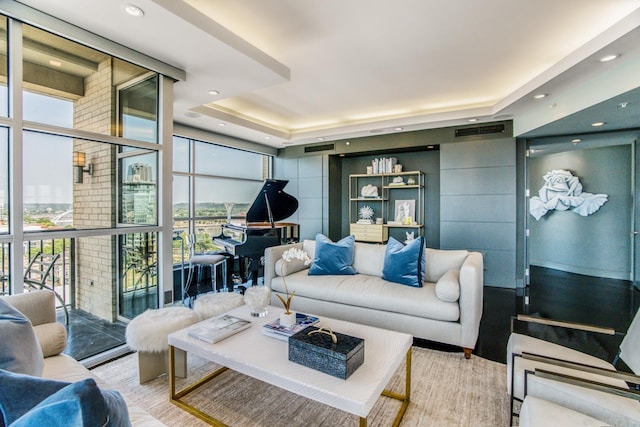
x=384 y=204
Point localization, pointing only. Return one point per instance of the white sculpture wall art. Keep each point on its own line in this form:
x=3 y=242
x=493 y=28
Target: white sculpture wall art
x=562 y=191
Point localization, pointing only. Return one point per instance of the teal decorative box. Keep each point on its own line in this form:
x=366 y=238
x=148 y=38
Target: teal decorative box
x=314 y=348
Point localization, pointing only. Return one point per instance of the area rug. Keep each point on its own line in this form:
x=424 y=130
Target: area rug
x=446 y=390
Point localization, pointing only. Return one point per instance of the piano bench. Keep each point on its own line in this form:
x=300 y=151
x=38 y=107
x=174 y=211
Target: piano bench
x=199 y=262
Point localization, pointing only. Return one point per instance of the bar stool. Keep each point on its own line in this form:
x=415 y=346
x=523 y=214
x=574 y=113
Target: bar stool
x=197 y=265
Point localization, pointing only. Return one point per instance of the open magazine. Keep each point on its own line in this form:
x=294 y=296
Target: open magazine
x=218 y=328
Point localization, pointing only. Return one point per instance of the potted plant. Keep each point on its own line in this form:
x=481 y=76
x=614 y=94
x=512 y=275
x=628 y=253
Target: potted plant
x=288 y=318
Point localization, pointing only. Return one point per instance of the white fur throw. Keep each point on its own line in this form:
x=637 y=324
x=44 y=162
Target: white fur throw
x=210 y=305
x=148 y=332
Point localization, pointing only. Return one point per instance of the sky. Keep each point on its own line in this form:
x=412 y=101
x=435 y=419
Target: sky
x=45 y=181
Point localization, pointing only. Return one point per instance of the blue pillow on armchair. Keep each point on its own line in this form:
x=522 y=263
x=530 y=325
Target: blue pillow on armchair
x=20 y=351
x=333 y=258
x=27 y=401
x=404 y=264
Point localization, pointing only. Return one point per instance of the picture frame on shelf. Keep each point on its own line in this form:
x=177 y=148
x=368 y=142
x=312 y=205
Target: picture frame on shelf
x=405 y=211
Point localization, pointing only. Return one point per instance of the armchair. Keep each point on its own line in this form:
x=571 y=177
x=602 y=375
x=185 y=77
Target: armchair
x=558 y=399
x=525 y=353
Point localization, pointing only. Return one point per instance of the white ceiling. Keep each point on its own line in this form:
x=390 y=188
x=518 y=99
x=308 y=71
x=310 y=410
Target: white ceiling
x=302 y=71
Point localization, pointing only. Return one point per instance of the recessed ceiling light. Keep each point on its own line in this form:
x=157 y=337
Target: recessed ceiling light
x=213 y=92
x=267 y=137
x=608 y=58
x=597 y=124
x=398 y=128
x=133 y=10
x=576 y=140
x=539 y=96
x=222 y=124
x=321 y=139
x=55 y=63
x=473 y=120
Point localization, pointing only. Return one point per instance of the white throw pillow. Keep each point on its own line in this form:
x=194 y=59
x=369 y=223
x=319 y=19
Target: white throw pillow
x=448 y=286
x=368 y=258
x=285 y=268
x=309 y=246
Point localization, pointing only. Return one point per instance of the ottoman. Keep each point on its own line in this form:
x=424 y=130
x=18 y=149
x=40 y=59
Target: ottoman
x=147 y=334
x=211 y=305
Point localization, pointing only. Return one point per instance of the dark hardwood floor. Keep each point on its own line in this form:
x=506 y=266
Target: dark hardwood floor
x=559 y=295
x=89 y=335
x=552 y=293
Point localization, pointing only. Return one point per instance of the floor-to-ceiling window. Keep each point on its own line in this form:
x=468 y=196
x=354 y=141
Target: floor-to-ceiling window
x=212 y=185
x=79 y=171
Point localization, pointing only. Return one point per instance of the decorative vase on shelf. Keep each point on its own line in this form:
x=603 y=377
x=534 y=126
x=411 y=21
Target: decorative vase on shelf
x=288 y=319
x=257 y=299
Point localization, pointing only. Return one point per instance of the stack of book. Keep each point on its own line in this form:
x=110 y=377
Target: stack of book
x=384 y=165
x=216 y=329
x=274 y=330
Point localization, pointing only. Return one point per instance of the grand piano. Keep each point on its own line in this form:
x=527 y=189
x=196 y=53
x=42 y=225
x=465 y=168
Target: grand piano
x=248 y=241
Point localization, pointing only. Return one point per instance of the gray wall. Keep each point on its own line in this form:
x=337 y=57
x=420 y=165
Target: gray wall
x=470 y=196
x=308 y=182
x=478 y=204
x=596 y=245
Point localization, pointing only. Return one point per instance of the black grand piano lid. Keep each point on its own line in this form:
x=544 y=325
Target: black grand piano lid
x=272 y=203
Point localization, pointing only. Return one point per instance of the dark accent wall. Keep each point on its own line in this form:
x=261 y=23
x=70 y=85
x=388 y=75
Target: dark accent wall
x=425 y=161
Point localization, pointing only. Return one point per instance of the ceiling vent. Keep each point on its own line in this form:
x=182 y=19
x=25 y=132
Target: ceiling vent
x=316 y=148
x=480 y=130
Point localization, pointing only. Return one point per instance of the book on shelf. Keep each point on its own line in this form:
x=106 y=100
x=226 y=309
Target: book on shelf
x=274 y=330
x=218 y=328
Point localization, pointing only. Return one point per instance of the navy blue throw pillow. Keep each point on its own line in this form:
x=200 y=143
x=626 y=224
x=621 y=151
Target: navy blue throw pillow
x=333 y=258
x=404 y=263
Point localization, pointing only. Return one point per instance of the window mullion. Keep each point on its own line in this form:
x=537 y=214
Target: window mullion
x=16 y=199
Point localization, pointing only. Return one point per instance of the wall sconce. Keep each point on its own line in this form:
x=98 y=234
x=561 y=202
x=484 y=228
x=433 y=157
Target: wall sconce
x=79 y=159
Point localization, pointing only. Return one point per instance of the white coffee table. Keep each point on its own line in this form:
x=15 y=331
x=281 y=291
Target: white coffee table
x=266 y=359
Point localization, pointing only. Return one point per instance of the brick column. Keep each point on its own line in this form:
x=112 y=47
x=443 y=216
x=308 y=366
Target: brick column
x=94 y=201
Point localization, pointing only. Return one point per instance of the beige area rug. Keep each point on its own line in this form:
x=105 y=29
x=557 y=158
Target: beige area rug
x=446 y=390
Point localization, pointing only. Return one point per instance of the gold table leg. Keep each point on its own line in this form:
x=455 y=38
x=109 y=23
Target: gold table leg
x=404 y=398
x=176 y=396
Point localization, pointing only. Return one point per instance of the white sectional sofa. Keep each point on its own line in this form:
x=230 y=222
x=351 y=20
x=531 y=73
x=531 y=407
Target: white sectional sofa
x=39 y=308
x=369 y=299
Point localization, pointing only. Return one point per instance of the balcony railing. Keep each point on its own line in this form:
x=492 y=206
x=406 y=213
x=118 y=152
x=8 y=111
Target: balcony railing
x=60 y=279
